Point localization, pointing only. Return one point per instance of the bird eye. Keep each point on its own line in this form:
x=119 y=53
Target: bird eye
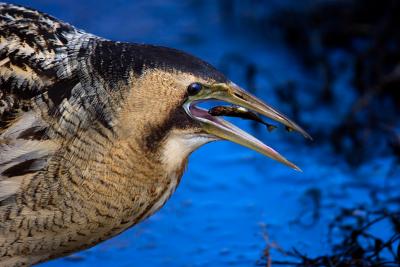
x=194 y=88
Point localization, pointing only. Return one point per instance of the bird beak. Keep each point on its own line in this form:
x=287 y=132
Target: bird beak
x=220 y=128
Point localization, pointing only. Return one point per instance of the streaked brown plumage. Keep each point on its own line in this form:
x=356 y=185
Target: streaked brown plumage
x=95 y=134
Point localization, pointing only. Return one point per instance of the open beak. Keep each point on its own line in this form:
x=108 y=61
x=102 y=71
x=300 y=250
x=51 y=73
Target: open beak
x=223 y=129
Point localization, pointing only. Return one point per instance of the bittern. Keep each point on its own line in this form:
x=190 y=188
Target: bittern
x=95 y=134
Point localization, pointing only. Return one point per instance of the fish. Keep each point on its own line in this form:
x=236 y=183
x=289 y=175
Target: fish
x=289 y=129
x=239 y=112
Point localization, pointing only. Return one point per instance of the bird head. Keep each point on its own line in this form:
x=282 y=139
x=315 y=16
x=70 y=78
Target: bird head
x=166 y=96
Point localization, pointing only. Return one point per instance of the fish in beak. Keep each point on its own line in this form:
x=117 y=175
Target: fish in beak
x=233 y=94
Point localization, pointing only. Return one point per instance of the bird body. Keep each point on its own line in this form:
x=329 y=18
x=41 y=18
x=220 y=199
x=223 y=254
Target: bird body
x=94 y=134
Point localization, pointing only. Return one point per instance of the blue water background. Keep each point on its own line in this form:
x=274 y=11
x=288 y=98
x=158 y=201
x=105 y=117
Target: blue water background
x=231 y=199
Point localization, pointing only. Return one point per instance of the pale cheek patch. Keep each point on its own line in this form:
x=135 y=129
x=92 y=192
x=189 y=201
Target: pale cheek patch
x=177 y=148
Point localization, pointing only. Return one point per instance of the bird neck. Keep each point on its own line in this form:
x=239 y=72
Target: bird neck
x=123 y=180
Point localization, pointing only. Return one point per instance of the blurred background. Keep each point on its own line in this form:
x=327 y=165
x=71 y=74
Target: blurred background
x=333 y=67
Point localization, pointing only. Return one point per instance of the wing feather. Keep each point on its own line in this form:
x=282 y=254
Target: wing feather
x=39 y=58
x=34 y=50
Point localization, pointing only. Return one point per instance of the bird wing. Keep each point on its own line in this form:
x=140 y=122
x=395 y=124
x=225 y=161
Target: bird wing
x=39 y=69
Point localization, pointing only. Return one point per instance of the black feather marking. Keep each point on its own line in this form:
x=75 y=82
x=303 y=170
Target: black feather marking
x=34 y=133
x=61 y=90
x=177 y=119
x=22 y=168
x=114 y=61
